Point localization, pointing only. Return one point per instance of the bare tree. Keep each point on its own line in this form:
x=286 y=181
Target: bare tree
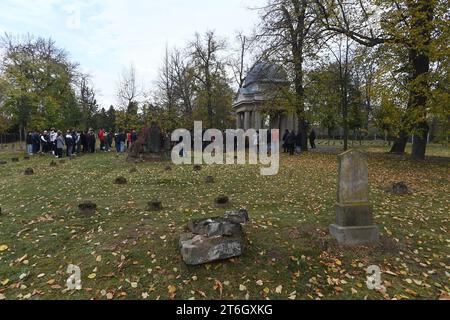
x=128 y=91
x=208 y=66
x=238 y=61
x=184 y=78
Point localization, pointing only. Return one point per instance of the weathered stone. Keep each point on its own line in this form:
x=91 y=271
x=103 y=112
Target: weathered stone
x=353 y=184
x=87 y=208
x=400 y=188
x=198 y=249
x=354 y=219
x=214 y=239
x=120 y=181
x=154 y=206
x=237 y=216
x=154 y=139
x=29 y=171
x=214 y=227
x=209 y=179
x=222 y=202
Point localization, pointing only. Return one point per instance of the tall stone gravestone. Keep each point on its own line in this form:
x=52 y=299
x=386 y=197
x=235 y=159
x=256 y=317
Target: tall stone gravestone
x=153 y=141
x=354 y=219
x=151 y=145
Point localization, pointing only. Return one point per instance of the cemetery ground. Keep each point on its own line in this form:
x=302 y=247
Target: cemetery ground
x=125 y=252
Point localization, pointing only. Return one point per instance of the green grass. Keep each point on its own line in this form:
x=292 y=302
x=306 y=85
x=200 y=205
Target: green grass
x=288 y=243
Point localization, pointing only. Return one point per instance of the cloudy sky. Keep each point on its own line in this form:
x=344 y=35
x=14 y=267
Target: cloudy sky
x=106 y=36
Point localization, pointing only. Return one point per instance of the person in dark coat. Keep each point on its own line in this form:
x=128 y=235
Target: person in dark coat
x=91 y=141
x=298 y=142
x=285 y=147
x=83 y=141
x=312 y=139
x=290 y=141
x=36 y=137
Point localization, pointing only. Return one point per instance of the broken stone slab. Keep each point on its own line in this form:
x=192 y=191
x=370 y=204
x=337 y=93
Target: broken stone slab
x=237 y=216
x=212 y=227
x=199 y=249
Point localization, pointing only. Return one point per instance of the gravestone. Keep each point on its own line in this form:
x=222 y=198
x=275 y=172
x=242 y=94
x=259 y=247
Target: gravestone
x=151 y=145
x=354 y=218
x=153 y=141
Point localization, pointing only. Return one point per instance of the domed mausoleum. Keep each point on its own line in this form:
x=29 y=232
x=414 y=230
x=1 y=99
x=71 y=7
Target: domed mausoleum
x=254 y=96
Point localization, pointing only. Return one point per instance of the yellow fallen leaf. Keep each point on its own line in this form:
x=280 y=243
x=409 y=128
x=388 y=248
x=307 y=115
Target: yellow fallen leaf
x=242 y=287
x=92 y=276
x=3 y=247
x=5 y=282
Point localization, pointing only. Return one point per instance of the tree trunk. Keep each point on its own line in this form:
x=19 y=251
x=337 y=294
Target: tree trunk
x=420 y=64
x=420 y=142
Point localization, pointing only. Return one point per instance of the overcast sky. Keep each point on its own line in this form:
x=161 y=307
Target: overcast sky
x=106 y=36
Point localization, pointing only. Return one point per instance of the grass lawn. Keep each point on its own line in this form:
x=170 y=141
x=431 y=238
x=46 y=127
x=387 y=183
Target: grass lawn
x=125 y=252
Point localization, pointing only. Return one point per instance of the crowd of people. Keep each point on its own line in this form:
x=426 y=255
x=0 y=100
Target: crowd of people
x=292 y=142
x=73 y=142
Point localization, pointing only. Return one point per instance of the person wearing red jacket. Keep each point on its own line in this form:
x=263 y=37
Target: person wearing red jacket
x=101 y=137
x=128 y=140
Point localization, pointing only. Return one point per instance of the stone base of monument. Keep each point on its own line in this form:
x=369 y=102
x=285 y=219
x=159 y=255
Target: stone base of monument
x=355 y=236
x=214 y=239
x=354 y=225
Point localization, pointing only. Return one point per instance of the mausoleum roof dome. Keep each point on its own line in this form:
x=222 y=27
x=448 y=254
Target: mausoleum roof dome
x=265 y=72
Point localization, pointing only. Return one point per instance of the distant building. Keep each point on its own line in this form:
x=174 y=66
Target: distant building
x=254 y=96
